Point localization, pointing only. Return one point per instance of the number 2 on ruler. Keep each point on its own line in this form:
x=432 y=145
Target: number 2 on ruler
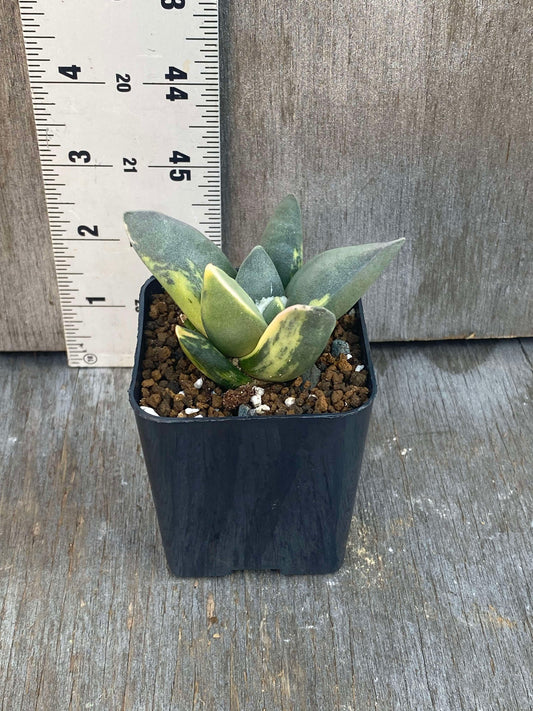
x=122 y=125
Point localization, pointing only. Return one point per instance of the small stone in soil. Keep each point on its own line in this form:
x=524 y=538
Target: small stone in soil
x=173 y=387
x=339 y=346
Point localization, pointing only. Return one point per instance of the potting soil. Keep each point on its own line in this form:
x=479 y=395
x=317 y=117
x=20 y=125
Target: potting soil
x=174 y=387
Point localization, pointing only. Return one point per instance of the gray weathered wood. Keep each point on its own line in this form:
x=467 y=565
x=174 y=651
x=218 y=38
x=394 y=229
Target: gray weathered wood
x=387 y=119
x=29 y=300
x=393 y=119
x=432 y=609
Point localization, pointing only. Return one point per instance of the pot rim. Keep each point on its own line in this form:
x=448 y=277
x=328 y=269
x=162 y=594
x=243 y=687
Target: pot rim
x=139 y=412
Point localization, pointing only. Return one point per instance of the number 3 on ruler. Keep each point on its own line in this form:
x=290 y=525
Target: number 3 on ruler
x=173 y=4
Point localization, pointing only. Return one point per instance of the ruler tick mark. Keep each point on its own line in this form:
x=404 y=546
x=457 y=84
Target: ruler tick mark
x=81 y=121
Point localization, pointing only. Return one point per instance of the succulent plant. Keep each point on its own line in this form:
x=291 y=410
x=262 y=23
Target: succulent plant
x=271 y=319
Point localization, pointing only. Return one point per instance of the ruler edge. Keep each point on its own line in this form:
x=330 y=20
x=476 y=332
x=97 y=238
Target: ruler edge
x=53 y=240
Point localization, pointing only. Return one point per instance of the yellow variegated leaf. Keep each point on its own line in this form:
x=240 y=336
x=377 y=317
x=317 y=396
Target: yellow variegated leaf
x=232 y=321
x=337 y=279
x=182 y=286
x=209 y=360
x=291 y=343
x=176 y=254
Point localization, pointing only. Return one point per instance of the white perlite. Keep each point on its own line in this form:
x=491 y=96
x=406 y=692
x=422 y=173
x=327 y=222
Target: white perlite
x=198 y=384
x=289 y=402
x=359 y=368
x=149 y=410
x=191 y=410
x=256 y=397
x=261 y=408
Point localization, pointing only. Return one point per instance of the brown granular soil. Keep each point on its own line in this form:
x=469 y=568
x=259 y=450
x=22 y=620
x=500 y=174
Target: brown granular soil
x=174 y=387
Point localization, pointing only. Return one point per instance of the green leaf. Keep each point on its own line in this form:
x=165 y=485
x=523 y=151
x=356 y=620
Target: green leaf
x=290 y=344
x=282 y=238
x=177 y=255
x=337 y=279
x=232 y=321
x=189 y=325
x=258 y=276
x=275 y=307
x=209 y=360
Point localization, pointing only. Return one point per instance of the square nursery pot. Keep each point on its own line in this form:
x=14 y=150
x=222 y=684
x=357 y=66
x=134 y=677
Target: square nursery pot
x=252 y=493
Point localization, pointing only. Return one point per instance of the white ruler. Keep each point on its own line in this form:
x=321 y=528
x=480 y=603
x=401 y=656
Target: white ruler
x=126 y=103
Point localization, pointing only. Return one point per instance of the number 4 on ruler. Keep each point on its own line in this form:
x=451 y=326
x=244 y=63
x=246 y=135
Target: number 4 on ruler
x=127 y=124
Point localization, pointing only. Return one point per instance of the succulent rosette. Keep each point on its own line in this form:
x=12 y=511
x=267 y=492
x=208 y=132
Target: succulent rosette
x=270 y=319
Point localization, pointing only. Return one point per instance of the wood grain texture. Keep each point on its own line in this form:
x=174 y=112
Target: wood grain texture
x=387 y=119
x=29 y=300
x=431 y=611
x=394 y=119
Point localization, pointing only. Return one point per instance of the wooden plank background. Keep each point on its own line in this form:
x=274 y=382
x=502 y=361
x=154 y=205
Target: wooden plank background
x=432 y=610
x=387 y=119
x=30 y=318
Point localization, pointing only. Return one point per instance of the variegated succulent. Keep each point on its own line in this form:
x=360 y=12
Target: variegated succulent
x=271 y=319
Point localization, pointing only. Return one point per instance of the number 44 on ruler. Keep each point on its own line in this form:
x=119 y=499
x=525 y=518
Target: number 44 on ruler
x=126 y=104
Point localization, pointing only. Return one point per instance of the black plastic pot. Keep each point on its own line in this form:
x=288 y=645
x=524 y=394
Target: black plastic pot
x=254 y=493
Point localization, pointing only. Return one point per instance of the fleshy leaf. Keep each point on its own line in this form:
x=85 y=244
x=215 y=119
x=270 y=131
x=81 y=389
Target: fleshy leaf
x=232 y=321
x=176 y=254
x=282 y=238
x=290 y=344
x=258 y=276
x=337 y=279
x=209 y=360
x=275 y=307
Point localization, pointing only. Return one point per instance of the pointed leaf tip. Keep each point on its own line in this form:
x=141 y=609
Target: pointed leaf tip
x=283 y=238
x=258 y=276
x=337 y=278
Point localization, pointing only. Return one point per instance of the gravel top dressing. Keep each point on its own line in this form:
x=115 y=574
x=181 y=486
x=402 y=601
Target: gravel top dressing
x=173 y=387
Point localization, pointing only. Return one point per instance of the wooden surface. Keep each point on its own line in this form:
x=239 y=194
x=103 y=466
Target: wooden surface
x=398 y=119
x=29 y=299
x=387 y=119
x=432 y=609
